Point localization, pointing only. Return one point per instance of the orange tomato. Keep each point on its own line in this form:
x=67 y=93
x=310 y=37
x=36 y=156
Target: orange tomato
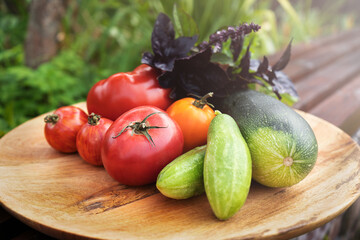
x=194 y=117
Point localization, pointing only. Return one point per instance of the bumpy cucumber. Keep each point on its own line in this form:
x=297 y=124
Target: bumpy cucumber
x=227 y=167
x=282 y=144
x=183 y=177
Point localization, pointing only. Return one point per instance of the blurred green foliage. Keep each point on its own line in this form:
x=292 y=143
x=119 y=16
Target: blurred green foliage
x=100 y=38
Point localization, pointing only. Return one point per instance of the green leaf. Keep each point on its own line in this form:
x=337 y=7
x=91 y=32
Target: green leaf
x=167 y=5
x=267 y=89
x=288 y=99
x=10 y=54
x=222 y=58
x=184 y=24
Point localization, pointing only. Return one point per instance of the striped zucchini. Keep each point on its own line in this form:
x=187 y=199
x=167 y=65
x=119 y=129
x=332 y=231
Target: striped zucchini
x=282 y=144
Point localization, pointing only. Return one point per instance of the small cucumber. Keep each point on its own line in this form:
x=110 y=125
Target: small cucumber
x=227 y=167
x=183 y=177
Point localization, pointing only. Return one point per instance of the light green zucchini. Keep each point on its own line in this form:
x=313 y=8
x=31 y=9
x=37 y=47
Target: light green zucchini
x=227 y=167
x=183 y=177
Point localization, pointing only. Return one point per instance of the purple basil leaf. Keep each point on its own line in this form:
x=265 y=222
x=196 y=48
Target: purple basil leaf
x=279 y=81
x=265 y=73
x=168 y=80
x=163 y=34
x=271 y=76
x=264 y=66
x=183 y=45
x=283 y=84
x=284 y=59
x=165 y=47
x=245 y=63
x=219 y=37
x=236 y=46
x=196 y=75
x=147 y=58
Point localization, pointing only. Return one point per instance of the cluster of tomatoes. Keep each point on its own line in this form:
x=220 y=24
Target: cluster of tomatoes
x=134 y=129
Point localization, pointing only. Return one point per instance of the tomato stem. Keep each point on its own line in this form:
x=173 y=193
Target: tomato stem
x=141 y=128
x=200 y=103
x=52 y=118
x=94 y=119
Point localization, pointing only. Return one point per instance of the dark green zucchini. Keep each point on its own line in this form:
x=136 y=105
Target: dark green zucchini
x=283 y=146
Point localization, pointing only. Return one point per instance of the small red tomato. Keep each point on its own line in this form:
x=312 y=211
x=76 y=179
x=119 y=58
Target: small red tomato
x=89 y=138
x=194 y=117
x=123 y=91
x=139 y=144
x=62 y=127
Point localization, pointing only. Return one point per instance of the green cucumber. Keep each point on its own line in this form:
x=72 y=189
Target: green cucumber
x=282 y=144
x=183 y=177
x=227 y=167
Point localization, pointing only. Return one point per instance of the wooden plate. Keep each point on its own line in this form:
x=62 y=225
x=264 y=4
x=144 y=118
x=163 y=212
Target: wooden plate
x=62 y=196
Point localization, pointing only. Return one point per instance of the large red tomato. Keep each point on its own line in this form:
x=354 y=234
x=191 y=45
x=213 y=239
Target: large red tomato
x=62 y=127
x=139 y=144
x=121 y=92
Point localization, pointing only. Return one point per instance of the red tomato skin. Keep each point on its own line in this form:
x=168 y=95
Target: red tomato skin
x=89 y=140
x=131 y=159
x=121 y=92
x=62 y=135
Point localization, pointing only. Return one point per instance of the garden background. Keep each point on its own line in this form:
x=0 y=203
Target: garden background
x=52 y=52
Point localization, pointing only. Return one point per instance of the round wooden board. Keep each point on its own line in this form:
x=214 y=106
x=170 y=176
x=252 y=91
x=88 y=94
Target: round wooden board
x=62 y=196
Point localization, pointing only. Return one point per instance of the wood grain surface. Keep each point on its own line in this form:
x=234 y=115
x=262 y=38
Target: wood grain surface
x=64 y=197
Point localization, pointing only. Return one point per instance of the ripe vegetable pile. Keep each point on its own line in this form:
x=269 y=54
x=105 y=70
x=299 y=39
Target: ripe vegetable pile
x=155 y=123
